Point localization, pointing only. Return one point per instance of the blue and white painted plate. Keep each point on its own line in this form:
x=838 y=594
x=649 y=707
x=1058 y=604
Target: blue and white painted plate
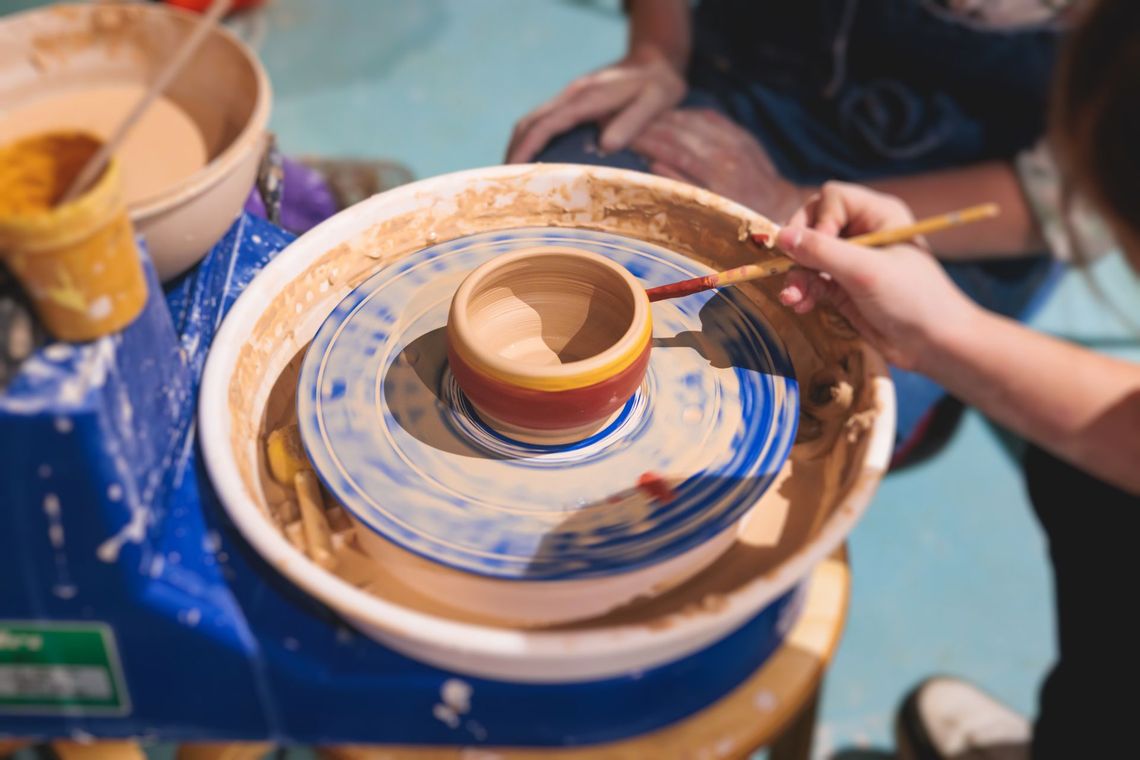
x=394 y=440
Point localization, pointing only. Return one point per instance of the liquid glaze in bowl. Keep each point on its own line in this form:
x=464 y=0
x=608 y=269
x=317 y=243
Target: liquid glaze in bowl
x=549 y=344
x=91 y=61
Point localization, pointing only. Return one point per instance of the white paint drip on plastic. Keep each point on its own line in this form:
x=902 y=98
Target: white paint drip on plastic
x=184 y=455
x=58 y=352
x=456 y=701
x=55 y=524
x=71 y=372
x=477 y=731
x=65 y=590
x=79 y=736
x=99 y=308
x=456 y=694
x=134 y=531
x=211 y=541
x=445 y=715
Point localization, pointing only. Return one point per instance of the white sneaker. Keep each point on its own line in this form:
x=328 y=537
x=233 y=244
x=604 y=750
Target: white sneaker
x=950 y=719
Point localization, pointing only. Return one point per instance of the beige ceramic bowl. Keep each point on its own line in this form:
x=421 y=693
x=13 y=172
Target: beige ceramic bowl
x=223 y=90
x=549 y=344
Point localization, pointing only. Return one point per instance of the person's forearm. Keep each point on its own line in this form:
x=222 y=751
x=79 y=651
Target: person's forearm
x=1082 y=406
x=663 y=25
x=1014 y=232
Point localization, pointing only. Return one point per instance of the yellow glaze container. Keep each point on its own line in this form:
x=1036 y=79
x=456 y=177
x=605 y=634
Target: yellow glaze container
x=78 y=262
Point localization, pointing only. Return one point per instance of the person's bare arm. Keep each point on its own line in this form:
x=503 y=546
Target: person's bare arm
x=663 y=25
x=625 y=96
x=1082 y=406
x=706 y=149
x=1012 y=233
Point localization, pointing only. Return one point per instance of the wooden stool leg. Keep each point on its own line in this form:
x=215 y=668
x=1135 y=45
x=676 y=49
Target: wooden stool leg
x=795 y=743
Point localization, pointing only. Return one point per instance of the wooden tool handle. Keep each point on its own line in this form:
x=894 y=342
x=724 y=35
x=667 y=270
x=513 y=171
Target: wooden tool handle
x=927 y=226
x=783 y=264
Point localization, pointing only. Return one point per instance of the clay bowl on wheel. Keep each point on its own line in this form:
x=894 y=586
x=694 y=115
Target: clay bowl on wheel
x=83 y=66
x=549 y=344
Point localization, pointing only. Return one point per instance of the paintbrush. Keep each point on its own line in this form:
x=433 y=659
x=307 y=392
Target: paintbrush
x=94 y=166
x=781 y=265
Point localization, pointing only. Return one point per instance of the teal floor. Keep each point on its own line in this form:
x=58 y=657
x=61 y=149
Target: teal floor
x=950 y=570
x=949 y=566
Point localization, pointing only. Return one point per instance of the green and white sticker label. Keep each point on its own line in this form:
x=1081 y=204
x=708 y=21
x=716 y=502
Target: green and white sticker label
x=64 y=668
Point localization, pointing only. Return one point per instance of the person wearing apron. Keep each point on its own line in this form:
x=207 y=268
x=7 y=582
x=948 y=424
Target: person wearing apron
x=1080 y=411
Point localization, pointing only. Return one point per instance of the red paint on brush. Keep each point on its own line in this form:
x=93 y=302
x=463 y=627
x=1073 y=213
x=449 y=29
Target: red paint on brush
x=682 y=288
x=652 y=484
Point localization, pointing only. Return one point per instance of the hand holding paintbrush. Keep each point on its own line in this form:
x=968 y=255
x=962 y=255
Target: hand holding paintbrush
x=780 y=265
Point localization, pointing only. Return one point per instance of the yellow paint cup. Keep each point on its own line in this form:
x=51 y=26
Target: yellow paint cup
x=78 y=262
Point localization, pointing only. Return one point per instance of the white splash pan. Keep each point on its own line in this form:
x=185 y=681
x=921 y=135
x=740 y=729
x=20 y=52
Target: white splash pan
x=282 y=308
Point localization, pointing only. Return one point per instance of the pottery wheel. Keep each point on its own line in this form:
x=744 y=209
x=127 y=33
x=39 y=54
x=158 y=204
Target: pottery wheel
x=395 y=441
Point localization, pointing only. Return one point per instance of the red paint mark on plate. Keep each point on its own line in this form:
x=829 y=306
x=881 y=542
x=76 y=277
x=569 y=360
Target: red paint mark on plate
x=652 y=484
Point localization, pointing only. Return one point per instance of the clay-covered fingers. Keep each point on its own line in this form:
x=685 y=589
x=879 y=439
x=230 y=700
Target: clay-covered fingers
x=849 y=210
x=672 y=153
x=678 y=144
x=852 y=266
x=657 y=97
x=803 y=290
x=805 y=214
x=578 y=104
x=897 y=297
x=705 y=131
x=627 y=96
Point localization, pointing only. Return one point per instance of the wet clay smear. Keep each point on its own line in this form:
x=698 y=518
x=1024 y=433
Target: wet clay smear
x=162 y=148
x=835 y=371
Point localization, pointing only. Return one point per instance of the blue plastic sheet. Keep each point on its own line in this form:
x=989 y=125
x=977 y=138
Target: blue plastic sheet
x=109 y=519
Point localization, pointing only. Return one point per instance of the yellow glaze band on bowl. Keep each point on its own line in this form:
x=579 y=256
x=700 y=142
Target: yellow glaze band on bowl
x=567 y=382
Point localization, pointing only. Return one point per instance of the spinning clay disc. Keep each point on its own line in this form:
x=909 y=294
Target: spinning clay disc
x=396 y=442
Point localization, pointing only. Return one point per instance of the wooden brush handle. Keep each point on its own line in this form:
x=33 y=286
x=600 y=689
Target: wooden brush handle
x=95 y=164
x=782 y=264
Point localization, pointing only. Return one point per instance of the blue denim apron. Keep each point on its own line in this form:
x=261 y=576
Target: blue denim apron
x=863 y=89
